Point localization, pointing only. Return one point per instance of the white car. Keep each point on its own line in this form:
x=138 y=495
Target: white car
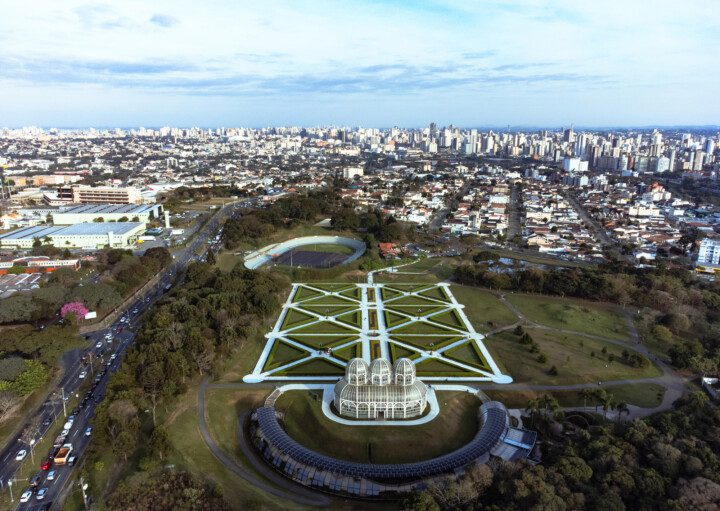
x=51 y=475
x=82 y=375
x=20 y=455
x=25 y=496
x=113 y=356
x=65 y=432
x=98 y=344
x=41 y=493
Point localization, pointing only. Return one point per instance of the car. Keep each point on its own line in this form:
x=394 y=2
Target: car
x=47 y=421
x=98 y=344
x=113 y=356
x=20 y=455
x=82 y=375
x=25 y=496
x=35 y=480
x=46 y=464
x=41 y=493
x=51 y=475
x=88 y=431
x=65 y=432
x=71 y=460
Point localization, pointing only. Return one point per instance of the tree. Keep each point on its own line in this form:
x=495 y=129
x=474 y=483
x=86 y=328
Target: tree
x=211 y=259
x=153 y=381
x=8 y=400
x=124 y=444
x=159 y=442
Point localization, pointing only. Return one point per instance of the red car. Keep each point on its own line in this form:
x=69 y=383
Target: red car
x=46 y=464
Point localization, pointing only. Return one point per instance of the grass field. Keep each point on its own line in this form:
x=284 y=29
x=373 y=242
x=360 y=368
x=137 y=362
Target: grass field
x=192 y=454
x=570 y=354
x=455 y=426
x=223 y=406
x=484 y=311
x=572 y=314
x=645 y=395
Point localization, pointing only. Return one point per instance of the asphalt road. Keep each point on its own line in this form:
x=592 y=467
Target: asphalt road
x=123 y=334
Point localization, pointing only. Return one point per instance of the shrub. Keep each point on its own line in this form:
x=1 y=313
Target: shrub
x=542 y=358
x=553 y=371
x=11 y=367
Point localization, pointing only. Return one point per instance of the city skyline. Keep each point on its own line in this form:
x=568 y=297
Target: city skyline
x=380 y=63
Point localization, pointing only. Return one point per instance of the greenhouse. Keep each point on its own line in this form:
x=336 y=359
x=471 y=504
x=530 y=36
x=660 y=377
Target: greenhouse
x=380 y=391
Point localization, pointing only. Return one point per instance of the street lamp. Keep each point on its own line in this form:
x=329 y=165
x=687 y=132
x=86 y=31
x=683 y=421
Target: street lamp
x=32 y=450
x=10 y=486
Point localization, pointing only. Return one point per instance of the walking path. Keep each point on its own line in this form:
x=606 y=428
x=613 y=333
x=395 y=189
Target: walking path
x=675 y=384
x=288 y=491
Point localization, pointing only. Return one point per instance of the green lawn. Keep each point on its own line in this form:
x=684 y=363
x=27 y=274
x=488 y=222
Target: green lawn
x=192 y=454
x=454 y=427
x=484 y=311
x=570 y=354
x=572 y=314
x=314 y=367
x=645 y=395
x=226 y=261
x=283 y=353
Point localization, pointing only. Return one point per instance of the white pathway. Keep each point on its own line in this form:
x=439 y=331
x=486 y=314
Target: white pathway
x=328 y=399
x=371 y=301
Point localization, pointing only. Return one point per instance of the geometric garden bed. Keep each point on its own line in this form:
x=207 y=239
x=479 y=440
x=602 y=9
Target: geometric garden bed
x=322 y=326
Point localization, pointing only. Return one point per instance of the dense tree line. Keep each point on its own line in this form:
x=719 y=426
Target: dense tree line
x=677 y=309
x=254 y=226
x=122 y=273
x=191 y=331
x=377 y=226
x=168 y=490
x=670 y=461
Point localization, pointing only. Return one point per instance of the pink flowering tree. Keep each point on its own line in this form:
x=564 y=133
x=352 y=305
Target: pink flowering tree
x=73 y=311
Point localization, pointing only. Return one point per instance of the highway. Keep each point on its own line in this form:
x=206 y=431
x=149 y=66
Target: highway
x=122 y=333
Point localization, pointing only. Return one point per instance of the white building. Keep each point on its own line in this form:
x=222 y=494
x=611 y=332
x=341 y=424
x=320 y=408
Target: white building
x=709 y=253
x=351 y=172
x=87 y=236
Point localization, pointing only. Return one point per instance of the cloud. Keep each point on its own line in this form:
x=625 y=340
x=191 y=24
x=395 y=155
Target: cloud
x=163 y=20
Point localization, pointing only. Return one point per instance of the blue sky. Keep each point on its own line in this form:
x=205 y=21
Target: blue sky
x=364 y=62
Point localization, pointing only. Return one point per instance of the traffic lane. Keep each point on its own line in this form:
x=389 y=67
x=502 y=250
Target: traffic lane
x=62 y=472
x=82 y=441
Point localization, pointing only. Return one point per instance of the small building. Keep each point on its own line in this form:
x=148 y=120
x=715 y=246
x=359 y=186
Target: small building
x=388 y=250
x=380 y=391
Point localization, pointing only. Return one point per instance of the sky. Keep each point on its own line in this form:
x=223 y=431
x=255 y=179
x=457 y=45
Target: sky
x=75 y=63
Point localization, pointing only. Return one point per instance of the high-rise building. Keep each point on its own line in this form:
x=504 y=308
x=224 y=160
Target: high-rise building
x=709 y=252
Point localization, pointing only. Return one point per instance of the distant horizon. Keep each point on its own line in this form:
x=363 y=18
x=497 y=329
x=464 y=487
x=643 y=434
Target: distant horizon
x=369 y=63
x=512 y=127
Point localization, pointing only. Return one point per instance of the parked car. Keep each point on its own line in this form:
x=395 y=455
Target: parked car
x=98 y=344
x=20 y=455
x=88 y=431
x=82 y=375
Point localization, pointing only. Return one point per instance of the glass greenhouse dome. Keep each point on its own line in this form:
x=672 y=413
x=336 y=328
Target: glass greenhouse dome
x=380 y=391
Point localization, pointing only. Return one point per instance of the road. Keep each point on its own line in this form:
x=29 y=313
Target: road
x=122 y=334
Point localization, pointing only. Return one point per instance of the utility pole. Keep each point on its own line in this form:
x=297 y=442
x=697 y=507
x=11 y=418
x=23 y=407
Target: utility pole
x=83 y=487
x=10 y=486
x=62 y=390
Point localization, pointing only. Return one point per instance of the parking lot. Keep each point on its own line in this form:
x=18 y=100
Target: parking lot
x=10 y=284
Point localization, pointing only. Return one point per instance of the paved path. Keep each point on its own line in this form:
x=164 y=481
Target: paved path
x=289 y=491
x=675 y=384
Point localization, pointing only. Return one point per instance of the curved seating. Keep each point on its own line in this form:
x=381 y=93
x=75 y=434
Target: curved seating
x=492 y=432
x=266 y=254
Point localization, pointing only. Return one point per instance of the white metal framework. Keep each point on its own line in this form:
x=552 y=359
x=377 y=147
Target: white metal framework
x=388 y=393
